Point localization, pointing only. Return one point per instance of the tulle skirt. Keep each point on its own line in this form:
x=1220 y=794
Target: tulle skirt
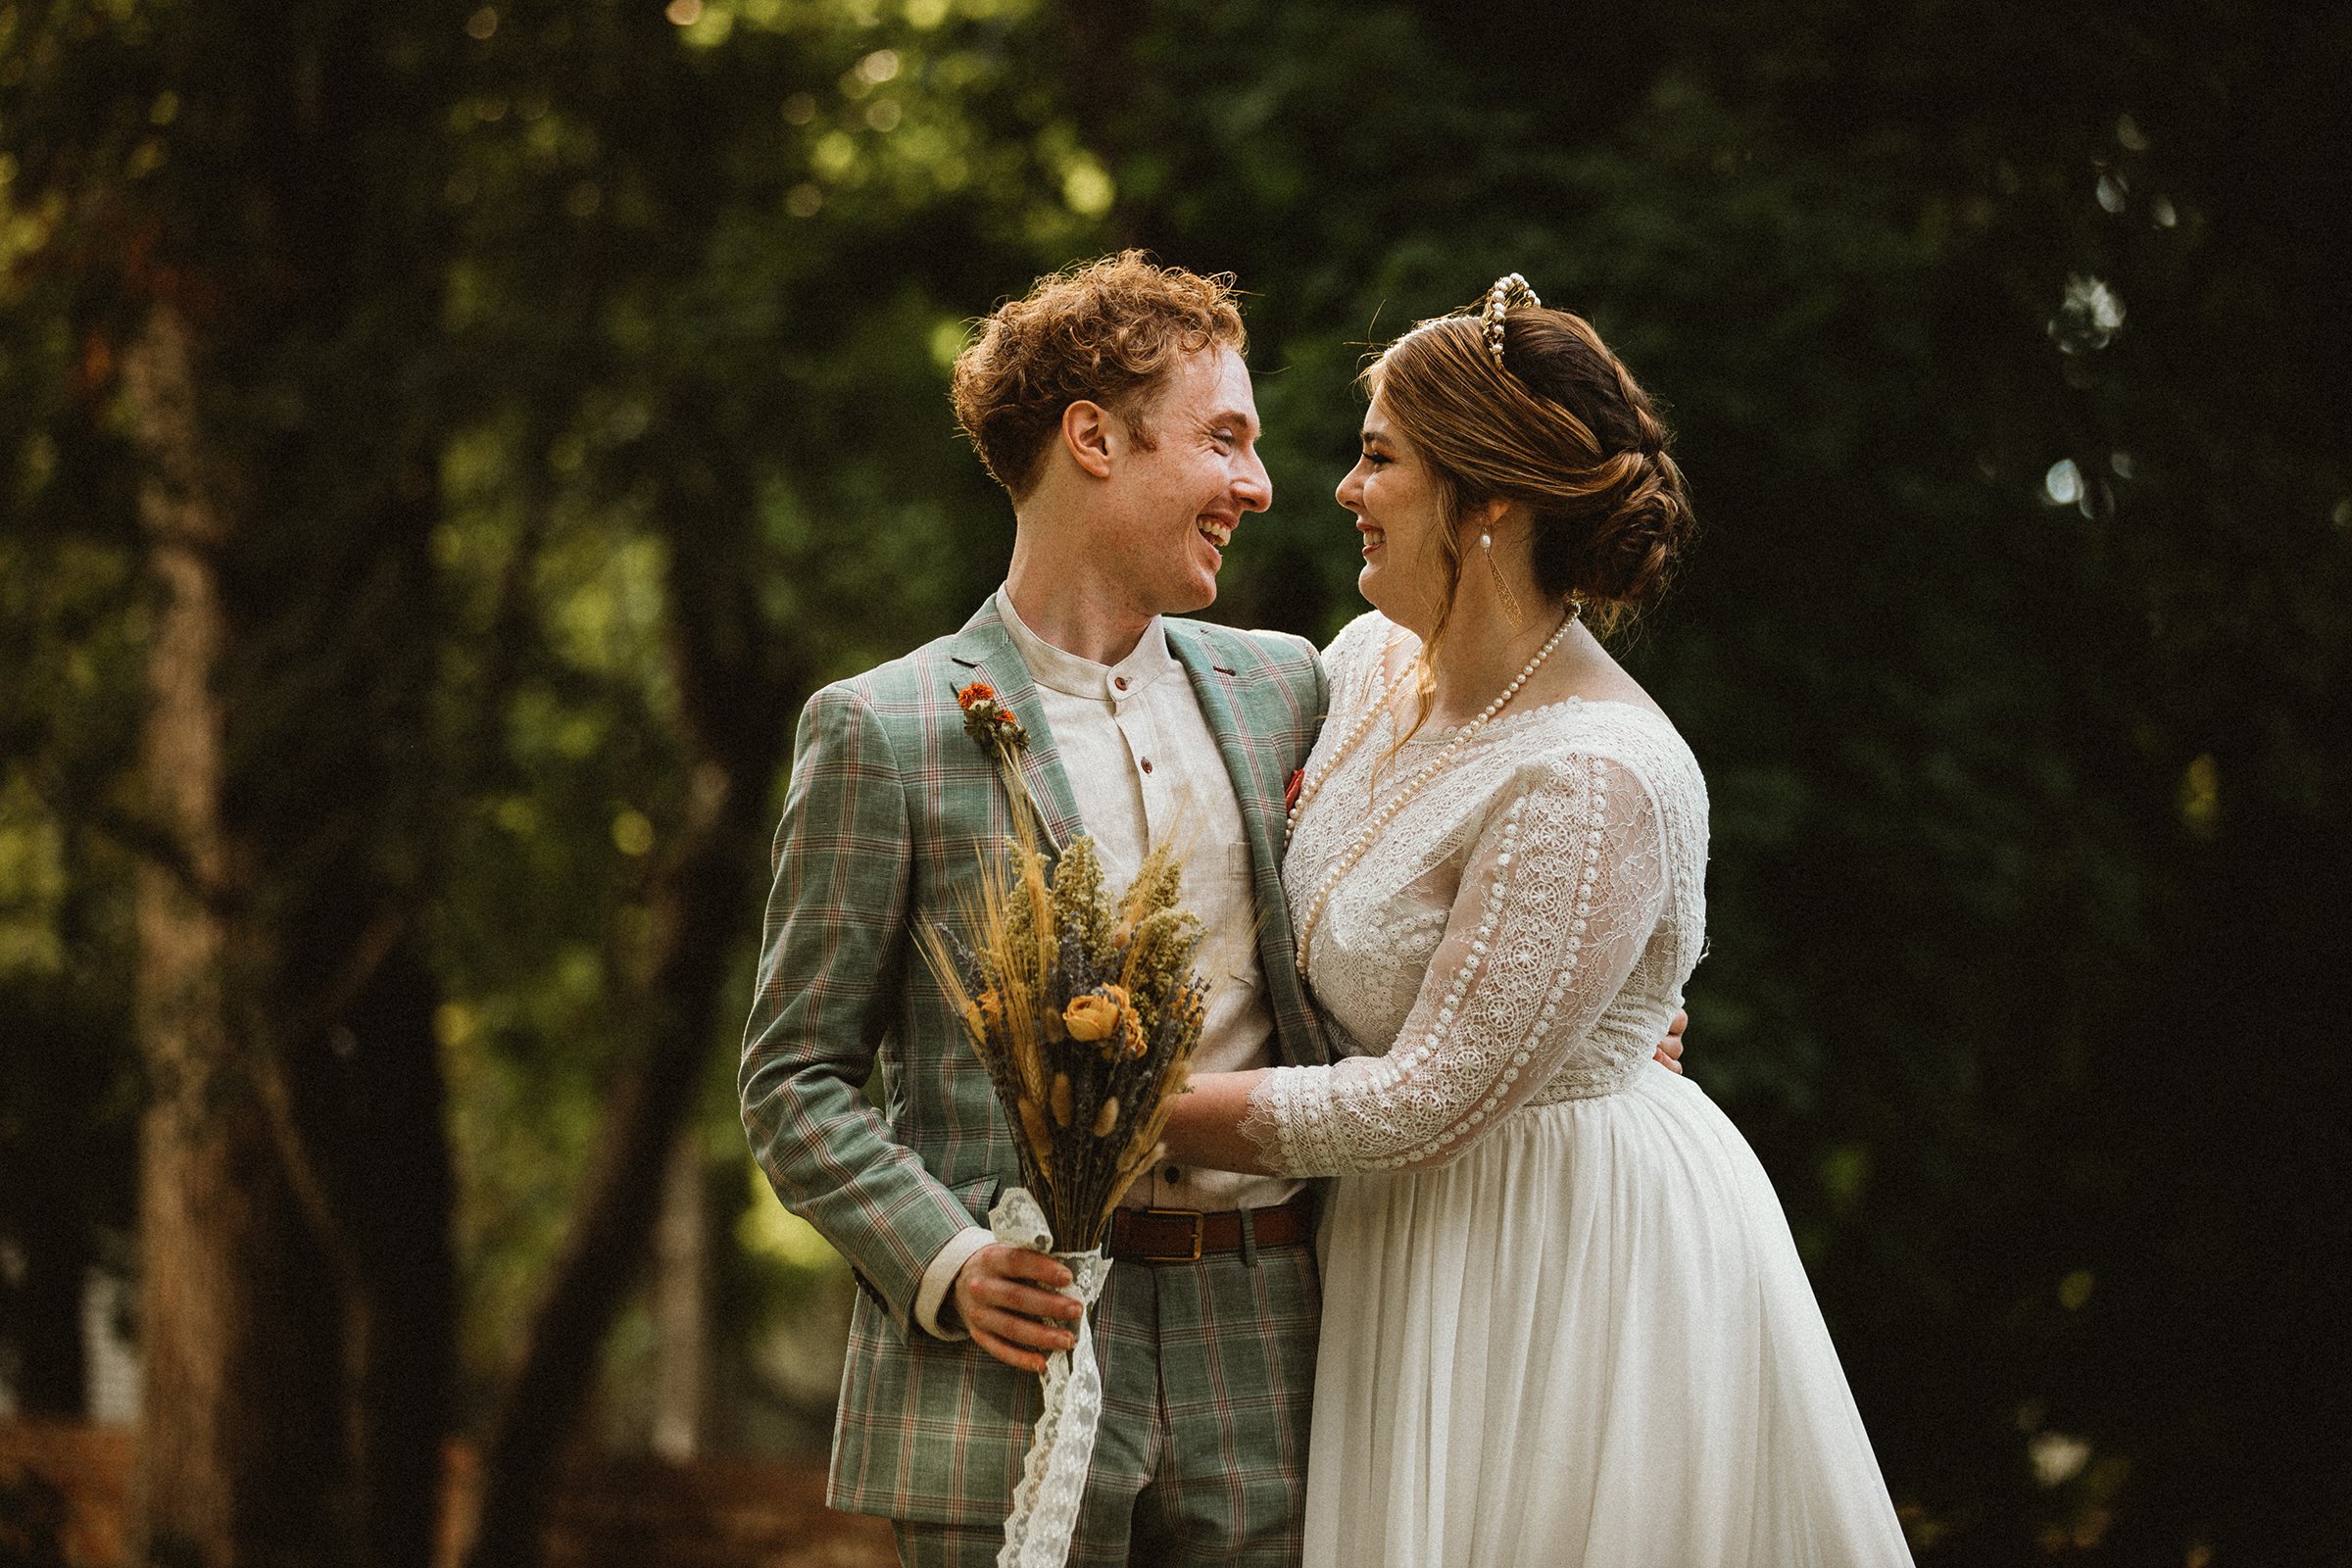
x=1587 y=1341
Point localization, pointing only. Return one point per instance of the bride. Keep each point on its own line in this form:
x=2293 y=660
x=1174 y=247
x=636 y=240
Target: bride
x=1563 y=1319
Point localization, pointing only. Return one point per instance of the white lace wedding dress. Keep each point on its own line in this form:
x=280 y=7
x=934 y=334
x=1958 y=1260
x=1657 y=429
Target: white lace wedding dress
x=1563 y=1320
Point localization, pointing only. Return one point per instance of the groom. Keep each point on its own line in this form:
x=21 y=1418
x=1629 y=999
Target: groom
x=1114 y=405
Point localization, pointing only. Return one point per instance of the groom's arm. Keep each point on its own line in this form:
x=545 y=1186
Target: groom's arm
x=832 y=975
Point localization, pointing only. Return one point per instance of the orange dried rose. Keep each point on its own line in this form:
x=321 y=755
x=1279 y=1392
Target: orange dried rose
x=1131 y=1032
x=1092 y=1017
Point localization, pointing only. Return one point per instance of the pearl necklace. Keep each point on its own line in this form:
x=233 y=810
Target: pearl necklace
x=1362 y=842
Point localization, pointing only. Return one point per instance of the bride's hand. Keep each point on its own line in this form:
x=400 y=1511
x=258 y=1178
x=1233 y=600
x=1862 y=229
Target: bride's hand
x=1670 y=1049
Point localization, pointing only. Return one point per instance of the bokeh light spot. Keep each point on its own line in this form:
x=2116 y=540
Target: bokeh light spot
x=2089 y=317
x=634 y=833
x=2056 y=1457
x=2075 y=1289
x=2201 y=797
x=833 y=154
x=2062 y=486
x=947 y=339
x=452 y=1024
x=1087 y=188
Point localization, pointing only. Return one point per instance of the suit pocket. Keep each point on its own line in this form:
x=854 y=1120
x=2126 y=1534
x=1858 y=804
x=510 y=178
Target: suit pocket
x=979 y=1195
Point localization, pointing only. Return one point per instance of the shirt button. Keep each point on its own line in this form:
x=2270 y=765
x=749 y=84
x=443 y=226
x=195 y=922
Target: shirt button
x=1120 y=681
x=1147 y=765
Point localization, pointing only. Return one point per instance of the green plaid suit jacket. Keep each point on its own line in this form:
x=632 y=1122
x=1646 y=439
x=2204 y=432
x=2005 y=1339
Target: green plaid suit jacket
x=863 y=1103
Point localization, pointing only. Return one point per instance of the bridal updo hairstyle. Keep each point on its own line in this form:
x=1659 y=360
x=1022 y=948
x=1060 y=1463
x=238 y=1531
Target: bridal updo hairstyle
x=1562 y=428
x=1109 y=331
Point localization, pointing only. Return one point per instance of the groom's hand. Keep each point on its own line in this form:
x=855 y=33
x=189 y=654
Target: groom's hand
x=1002 y=1293
x=1670 y=1049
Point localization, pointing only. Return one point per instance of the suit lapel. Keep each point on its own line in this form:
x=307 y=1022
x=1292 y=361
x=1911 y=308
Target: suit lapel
x=1262 y=821
x=983 y=651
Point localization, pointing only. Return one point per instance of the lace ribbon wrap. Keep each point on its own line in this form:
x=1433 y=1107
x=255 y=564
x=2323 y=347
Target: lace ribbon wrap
x=1045 y=1505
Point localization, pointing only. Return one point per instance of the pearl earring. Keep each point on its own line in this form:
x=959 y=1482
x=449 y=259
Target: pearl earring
x=1510 y=601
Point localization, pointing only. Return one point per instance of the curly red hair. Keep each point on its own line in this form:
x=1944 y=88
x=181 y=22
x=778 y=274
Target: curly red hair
x=1107 y=331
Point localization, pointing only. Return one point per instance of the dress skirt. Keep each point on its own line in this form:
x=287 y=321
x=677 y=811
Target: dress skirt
x=1590 y=1340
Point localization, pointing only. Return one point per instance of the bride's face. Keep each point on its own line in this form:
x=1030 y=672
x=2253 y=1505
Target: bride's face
x=1398 y=515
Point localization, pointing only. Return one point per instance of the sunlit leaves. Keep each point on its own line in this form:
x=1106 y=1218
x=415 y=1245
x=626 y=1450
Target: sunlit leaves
x=32 y=883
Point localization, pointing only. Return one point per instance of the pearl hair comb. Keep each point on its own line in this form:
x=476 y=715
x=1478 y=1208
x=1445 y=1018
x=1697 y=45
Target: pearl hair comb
x=1508 y=290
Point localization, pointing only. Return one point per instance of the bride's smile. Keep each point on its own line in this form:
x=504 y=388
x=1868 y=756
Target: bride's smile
x=1398 y=514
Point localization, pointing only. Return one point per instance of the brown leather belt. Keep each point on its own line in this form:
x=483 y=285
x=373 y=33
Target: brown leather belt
x=1184 y=1235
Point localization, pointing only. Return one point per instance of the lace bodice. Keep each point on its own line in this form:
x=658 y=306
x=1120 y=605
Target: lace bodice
x=1519 y=934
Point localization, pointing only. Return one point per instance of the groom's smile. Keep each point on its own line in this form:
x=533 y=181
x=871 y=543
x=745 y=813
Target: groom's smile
x=1187 y=490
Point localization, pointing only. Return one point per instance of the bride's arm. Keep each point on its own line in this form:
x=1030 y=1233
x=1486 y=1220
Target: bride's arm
x=1206 y=1126
x=1558 y=899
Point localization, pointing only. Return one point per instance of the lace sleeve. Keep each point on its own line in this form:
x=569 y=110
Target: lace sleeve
x=1561 y=891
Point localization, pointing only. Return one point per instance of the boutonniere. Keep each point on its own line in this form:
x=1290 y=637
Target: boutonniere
x=996 y=731
x=989 y=722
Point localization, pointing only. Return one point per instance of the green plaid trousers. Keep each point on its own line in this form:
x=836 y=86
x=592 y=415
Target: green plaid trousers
x=1208 y=1373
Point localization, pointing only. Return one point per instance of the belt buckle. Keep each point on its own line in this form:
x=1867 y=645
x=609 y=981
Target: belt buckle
x=1199 y=1220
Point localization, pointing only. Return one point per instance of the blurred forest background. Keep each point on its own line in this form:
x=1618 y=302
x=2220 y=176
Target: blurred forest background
x=442 y=444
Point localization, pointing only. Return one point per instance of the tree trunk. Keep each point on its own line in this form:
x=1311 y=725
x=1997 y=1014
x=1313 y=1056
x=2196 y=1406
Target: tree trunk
x=226 y=1477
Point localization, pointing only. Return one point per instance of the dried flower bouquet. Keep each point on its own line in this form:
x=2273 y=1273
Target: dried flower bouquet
x=1085 y=1012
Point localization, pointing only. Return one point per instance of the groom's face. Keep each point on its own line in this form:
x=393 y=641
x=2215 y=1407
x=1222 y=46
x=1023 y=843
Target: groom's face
x=1179 y=500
